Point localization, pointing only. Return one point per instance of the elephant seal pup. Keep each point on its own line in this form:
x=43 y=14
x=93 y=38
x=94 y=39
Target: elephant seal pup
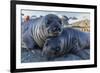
x=69 y=41
x=39 y=29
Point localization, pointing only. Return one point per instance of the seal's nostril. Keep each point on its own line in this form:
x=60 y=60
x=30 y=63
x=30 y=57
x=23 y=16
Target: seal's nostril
x=54 y=29
x=59 y=29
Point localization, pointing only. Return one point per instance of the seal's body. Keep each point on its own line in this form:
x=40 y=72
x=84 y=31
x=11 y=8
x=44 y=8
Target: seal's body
x=41 y=28
x=69 y=41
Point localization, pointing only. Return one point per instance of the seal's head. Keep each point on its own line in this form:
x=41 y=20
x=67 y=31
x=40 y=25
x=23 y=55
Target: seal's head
x=52 y=48
x=53 y=25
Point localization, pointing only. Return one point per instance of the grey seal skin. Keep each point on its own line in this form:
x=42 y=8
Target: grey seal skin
x=39 y=29
x=69 y=41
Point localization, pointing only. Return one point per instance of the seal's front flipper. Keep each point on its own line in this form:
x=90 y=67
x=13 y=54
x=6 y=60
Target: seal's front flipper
x=83 y=54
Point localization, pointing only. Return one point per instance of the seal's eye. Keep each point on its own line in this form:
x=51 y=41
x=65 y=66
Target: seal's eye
x=49 y=21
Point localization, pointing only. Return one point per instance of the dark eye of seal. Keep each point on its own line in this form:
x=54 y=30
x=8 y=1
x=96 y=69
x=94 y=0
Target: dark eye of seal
x=48 y=22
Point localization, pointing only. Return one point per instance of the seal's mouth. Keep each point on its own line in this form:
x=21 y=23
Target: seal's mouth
x=54 y=33
x=57 y=32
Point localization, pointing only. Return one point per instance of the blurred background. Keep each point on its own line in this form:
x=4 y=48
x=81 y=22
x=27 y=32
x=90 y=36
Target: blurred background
x=77 y=20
